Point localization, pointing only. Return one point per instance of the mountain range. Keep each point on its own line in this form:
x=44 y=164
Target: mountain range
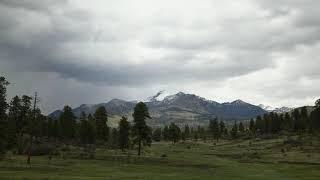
x=180 y=108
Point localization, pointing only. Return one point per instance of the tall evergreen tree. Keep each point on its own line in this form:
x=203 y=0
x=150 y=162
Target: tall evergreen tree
x=234 y=130
x=317 y=103
x=315 y=118
x=174 y=133
x=13 y=119
x=165 y=133
x=84 y=127
x=141 y=131
x=91 y=130
x=26 y=113
x=157 y=134
x=124 y=129
x=56 y=133
x=187 y=131
x=288 y=124
x=241 y=127
x=35 y=124
x=222 y=128
x=102 y=128
x=259 y=124
x=3 y=116
x=296 y=120
x=304 y=122
x=50 y=128
x=24 y=123
x=252 y=127
x=67 y=123
x=214 y=129
x=267 y=124
x=114 y=138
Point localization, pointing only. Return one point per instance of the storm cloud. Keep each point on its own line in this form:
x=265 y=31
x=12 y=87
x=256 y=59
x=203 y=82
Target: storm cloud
x=74 y=51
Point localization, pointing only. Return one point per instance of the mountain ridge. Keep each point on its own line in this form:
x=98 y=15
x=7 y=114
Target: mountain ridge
x=179 y=108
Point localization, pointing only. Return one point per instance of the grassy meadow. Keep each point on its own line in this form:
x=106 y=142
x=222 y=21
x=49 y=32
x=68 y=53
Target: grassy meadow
x=238 y=159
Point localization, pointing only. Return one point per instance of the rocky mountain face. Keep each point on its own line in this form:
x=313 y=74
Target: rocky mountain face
x=180 y=108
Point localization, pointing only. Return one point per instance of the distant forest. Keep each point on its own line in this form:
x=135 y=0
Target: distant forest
x=25 y=130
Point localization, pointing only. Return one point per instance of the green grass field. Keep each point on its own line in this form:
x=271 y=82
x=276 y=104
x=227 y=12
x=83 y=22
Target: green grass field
x=241 y=159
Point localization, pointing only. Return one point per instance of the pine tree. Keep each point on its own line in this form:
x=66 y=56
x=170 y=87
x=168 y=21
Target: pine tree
x=56 y=133
x=221 y=128
x=202 y=133
x=35 y=124
x=141 y=132
x=84 y=127
x=166 y=133
x=3 y=116
x=124 y=129
x=50 y=127
x=114 y=138
x=91 y=130
x=102 y=128
x=252 y=127
x=13 y=119
x=157 y=134
x=67 y=123
x=259 y=124
x=296 y=120
x=187 y=131
x=183 y=136
x=304 y=122
x=44 y=125
x=288 y=124
x=234 y=130
x=267 y=123
x=241 y=127
x=214 y=129
x=26 y=115
x=174 y=133
x=315 y=118
x=317 y=104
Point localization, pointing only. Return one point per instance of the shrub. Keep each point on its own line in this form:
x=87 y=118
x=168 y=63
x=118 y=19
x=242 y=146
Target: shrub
x=292 y=141
x=163 y=156
x=42 y=149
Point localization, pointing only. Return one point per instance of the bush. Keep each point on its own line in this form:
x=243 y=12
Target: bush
x=65 y=148
x=292 y=141
x=163 y=156
x=42 y=149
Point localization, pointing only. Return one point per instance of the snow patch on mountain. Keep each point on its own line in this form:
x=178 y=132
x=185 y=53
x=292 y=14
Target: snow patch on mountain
x=277 y=110
x=159 y=96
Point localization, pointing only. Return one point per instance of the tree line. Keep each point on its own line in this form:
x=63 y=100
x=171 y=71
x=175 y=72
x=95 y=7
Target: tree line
x=214 y=131
x=300 y=120
x=22 y=124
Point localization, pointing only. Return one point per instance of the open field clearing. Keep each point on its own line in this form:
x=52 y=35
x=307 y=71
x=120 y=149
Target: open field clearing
x=241 y=159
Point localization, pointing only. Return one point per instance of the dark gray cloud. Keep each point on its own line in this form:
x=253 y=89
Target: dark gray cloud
x=123 y=47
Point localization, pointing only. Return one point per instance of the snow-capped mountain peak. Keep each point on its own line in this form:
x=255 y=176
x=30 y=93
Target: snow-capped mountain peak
x=267 y=108
x=159 y=96
x=277 y=110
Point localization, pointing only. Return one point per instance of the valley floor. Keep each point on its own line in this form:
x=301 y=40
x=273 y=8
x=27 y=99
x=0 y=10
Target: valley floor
x=241 y=159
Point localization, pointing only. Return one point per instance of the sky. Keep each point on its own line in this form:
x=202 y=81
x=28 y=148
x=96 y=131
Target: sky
x=73 y=51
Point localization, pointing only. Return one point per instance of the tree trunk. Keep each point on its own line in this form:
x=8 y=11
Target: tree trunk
x=29 y=151
x=139 y=150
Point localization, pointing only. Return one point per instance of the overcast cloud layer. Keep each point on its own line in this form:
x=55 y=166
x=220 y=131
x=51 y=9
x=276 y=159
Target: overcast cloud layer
x=76 y=51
